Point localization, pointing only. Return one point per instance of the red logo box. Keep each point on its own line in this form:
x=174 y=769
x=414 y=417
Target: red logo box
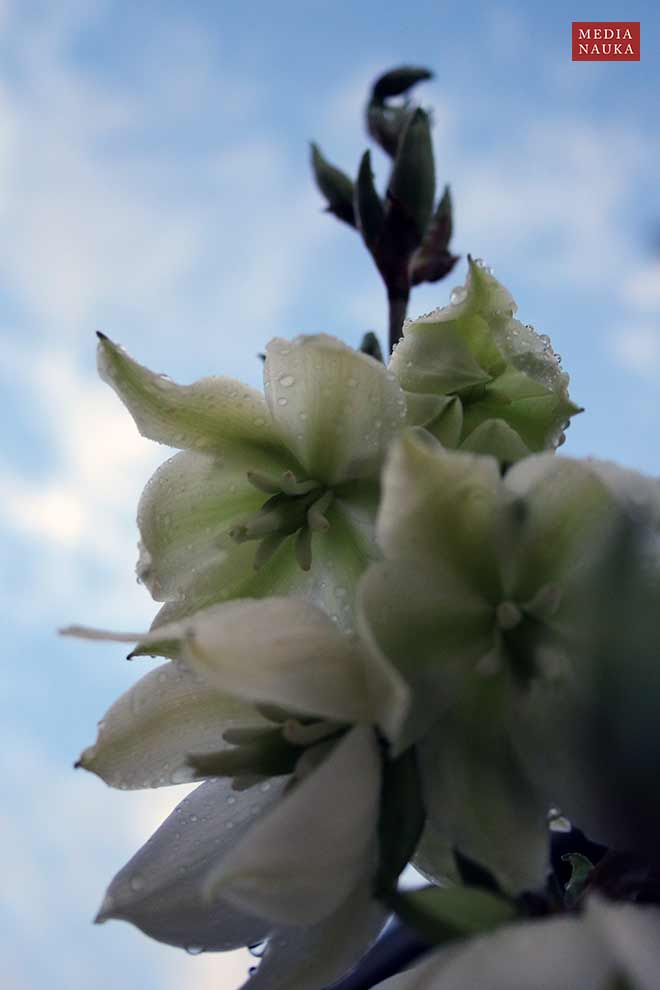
x=605 y=41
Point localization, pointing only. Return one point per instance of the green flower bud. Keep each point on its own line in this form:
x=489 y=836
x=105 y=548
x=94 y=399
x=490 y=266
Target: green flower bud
x=412 y=185
x=335 y=185
x=506 y=380
x=432 y=260
x=369 y=209
x=386 y=122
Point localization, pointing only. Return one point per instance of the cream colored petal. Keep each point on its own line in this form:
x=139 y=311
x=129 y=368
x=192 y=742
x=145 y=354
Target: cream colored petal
x=555 y=954
x=160 y=889
x=185 y=514
x=281 y=651
x=302 y=860
x=337 y=409
x=559 y=514
x=429 y=626
x=314 y=957
x=146 y=737
x=478 y=795
x=212 y=414
x=439 y=508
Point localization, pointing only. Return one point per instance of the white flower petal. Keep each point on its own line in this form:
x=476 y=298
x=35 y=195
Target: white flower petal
x=439 y=507
x=316 y=956
x=145 y=738
x=212 y=414
x=478 y=795
x=632 y=936
x=185 y=514
x=431 y=628
x=281 y=651
x=567 y=513
x=303 y=859
x=336 y=408
x=543 y=955
x=160 y=889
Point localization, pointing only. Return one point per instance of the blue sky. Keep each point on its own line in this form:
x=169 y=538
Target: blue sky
x=154 y=184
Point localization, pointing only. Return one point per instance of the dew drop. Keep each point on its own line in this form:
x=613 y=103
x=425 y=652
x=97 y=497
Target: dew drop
x=194 y=950
x=352 y=383
x=231 y=799
x=287 y=381
x=457 y=295
x=259 y=421
x=193 y=818
x=302 y=415
x=136 y=882
x=282 y=401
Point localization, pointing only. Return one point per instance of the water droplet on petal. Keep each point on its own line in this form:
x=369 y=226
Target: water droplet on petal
x=287 y=381
x=457 y=295
x=282 y=401
x=136 y=882
x=194 y=950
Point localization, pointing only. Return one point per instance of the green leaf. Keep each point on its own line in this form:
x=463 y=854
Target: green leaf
x=371 y=345
x=335 y=185
x=402 y=817
x=369 y=210
x=444 y=913
x=582 y=868
x=412 y=185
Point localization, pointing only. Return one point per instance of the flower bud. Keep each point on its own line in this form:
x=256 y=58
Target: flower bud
x=368 y=206
x=335 y=185
x=412 y=185
x=508 y=388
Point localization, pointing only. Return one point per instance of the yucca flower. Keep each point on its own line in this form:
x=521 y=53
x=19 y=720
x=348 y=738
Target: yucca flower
x=609 y=946
x=276 y=709
x=273 y=494
x=478 y=605
x=479 y=379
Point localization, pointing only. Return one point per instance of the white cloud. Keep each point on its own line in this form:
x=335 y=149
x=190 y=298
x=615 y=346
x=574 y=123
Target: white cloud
x=638 y=348
x=641 y=289
x=67 y=834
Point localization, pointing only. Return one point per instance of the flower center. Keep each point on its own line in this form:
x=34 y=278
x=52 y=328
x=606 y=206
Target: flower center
x=521 y=640
x=293 y=507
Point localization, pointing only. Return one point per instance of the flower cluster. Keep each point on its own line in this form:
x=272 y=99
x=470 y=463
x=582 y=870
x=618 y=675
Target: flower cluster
x=376 y=616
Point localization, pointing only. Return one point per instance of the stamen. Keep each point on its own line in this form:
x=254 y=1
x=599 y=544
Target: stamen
x=508 y=615
x=267 y=549
x=545 y=603
x=264 y=482
x=303 y=548
x=306 y=735
x=490 y=663
x=316 y=519
x=291 y=486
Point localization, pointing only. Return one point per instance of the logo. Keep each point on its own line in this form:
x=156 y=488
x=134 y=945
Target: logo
x=605 y=41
